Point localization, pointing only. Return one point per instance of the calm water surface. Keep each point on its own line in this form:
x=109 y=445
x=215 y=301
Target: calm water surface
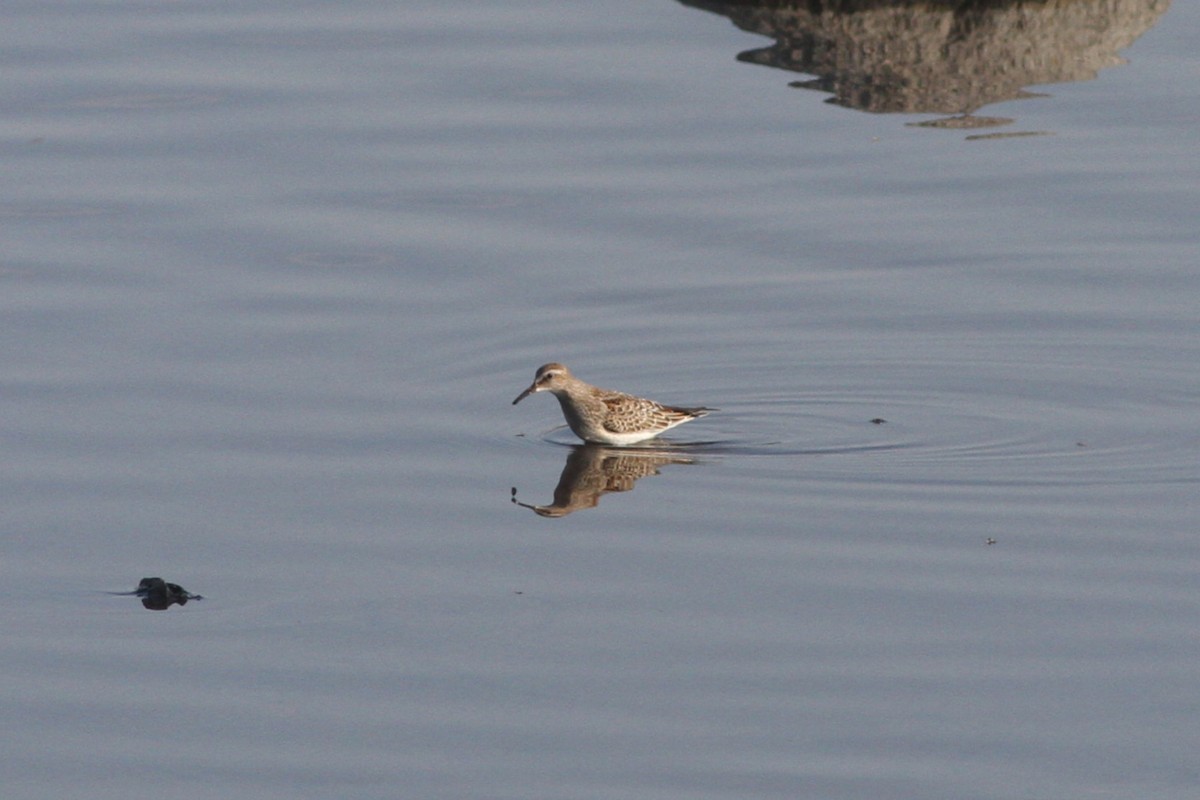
x=273 y=274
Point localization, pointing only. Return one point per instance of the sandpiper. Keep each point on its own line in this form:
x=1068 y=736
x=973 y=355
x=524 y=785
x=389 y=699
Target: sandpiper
x=604 y=416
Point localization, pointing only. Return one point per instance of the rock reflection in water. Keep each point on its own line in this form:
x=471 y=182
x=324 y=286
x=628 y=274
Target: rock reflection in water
x=158 y=595
x=593 y=471
x=938 y=56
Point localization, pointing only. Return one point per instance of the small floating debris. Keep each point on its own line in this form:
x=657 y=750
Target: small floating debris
x=989 y=540
x=158 y=595
x=878 y=421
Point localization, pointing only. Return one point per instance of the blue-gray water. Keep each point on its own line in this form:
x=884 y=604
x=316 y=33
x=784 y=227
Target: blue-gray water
x=273 y=273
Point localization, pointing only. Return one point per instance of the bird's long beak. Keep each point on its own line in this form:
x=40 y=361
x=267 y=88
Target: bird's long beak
x=532 y=388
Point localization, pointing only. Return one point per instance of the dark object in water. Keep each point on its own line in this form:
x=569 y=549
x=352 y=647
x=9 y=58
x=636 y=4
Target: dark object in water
x=158 y=595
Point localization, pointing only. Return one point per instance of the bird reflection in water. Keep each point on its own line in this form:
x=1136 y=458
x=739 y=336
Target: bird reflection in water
x=593 y=471
x=938 y=56
x=158 y=595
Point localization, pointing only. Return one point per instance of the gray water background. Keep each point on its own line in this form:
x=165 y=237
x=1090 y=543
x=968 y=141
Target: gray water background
x=273 y=272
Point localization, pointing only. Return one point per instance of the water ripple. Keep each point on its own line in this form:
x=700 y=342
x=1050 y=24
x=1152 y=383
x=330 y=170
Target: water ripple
x=932 y=440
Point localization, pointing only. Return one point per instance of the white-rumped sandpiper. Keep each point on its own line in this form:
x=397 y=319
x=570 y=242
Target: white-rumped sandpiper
x=604 y=416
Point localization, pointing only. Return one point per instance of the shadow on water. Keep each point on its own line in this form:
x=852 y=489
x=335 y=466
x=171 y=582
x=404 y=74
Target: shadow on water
x=939 y=56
